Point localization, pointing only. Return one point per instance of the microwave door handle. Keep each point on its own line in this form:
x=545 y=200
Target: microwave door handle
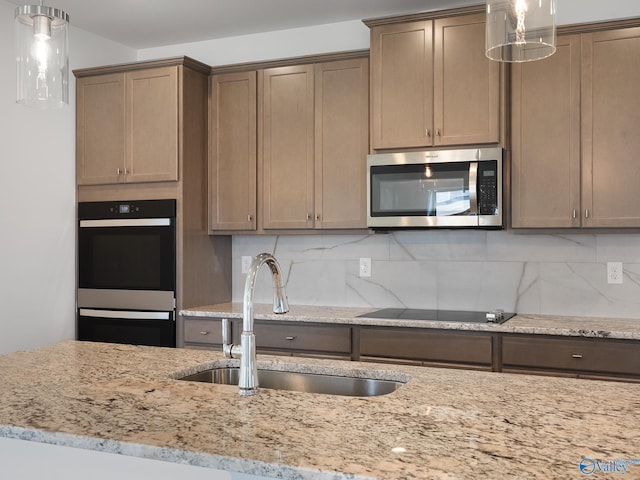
x=473 y=187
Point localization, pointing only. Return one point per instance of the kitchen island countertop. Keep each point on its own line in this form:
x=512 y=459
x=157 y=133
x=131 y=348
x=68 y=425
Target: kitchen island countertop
x=441 y=424
x=562 y=325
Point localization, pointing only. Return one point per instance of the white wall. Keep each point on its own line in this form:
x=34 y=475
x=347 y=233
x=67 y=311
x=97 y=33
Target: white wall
x=37 y=199
x=295 y=42
x=581 y=11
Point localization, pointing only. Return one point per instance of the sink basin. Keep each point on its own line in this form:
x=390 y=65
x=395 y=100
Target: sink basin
x=301 y=382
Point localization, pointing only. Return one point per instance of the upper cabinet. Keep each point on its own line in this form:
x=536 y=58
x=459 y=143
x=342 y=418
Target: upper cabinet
x=610 y=121
x=341 y=143
x=545 y=148
x=127 y=127
x=402 y=85
x=233 y=151
x=151 y=98
x=574 y=122
x=100 y=129
x=432 y=84
x=315 y=144
x=288 y=147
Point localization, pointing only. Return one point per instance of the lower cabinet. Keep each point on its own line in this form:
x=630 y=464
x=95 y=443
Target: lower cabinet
x=576 y=357
x=315 y=340
x=203 y=332
x=428 y=347
x=594 y=358
x=274 y=338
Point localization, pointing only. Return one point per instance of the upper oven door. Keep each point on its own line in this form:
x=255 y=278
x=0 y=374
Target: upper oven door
x=127 y=253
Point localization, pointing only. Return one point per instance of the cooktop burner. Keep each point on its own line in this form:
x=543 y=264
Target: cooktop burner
x=495 y=316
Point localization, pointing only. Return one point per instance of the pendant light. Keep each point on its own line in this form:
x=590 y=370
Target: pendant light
x=520 y=30
x=42 y=55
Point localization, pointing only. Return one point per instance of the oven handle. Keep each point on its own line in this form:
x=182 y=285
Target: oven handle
x=133 y=315
x=127 y=222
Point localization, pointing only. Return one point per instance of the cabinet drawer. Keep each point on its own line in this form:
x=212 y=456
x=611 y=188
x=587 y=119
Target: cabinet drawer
x=427 y=345
x=290 y=336
x=203 y=331
x=585 y=355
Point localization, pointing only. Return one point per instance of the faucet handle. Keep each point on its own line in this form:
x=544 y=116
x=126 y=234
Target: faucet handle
x=226 y=331
x=229 y=349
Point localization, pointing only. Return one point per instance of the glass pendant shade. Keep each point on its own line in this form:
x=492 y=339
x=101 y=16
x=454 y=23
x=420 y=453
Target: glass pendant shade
x=520 y=30
x=42 y=56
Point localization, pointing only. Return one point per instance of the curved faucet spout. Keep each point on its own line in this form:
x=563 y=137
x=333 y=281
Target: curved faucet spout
x=280 y=303
x=248 y=383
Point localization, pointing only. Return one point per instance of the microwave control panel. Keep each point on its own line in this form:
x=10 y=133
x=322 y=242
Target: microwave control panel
x=488 y=188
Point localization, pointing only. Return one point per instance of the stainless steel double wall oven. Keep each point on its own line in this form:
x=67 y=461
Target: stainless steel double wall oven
x=127 y=272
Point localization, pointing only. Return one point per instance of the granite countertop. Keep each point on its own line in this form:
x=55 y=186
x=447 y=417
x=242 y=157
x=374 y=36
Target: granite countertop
x=443 y=423
x=620 y=328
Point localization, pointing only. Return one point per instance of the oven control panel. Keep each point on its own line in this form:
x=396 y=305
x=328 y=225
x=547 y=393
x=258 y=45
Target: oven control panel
x=127 y=209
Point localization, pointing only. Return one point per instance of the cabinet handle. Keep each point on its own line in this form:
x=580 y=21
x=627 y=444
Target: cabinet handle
x=428 y=133
x=126 y=171
x=308 y=216
x=290 y=338
x=574 y=213
x=249 y=218
x=317 y=216
x=576 y=355
x=586 y=213
x=437 y=132
x=204 y=333
x=118 y=171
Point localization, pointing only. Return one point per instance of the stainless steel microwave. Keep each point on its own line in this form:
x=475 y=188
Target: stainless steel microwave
x=447 y=188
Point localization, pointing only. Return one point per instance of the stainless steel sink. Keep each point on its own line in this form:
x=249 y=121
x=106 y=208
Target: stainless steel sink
x=302 y=382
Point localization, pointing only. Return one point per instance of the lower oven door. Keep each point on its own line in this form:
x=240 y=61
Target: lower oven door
x=134 y=327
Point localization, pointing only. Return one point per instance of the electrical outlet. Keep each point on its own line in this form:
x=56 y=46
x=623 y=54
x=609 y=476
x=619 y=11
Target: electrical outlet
x=614 y=272
x=246 y=263
x=365 y=267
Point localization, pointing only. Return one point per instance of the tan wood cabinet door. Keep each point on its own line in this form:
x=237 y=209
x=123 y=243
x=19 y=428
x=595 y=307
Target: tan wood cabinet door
x=545 y=133
x=287 y=147
x=233 y=151
x=100 y=117
x=341 y=143
x=402 y=85
x=610 y=121
x=431 y=84
x=152 y=125
x=466 y=84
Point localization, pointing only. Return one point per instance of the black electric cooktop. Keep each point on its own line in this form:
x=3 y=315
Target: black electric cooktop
x=437 y=315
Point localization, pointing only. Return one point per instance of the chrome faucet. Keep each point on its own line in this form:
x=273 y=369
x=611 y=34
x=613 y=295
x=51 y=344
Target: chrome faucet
x=248 y=383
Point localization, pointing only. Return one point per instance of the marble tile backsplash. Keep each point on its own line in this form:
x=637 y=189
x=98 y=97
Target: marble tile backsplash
x=448 y=269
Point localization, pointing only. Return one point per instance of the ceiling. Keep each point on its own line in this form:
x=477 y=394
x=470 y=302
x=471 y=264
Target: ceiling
x=144 y=23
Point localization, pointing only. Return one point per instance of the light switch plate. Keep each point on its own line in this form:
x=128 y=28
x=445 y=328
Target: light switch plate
x=365 y=267
x=246 y=263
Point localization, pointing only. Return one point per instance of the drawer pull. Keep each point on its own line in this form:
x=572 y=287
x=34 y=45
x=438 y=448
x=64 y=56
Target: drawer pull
x=290 y=338
x=204 y=333
x=576 y=355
